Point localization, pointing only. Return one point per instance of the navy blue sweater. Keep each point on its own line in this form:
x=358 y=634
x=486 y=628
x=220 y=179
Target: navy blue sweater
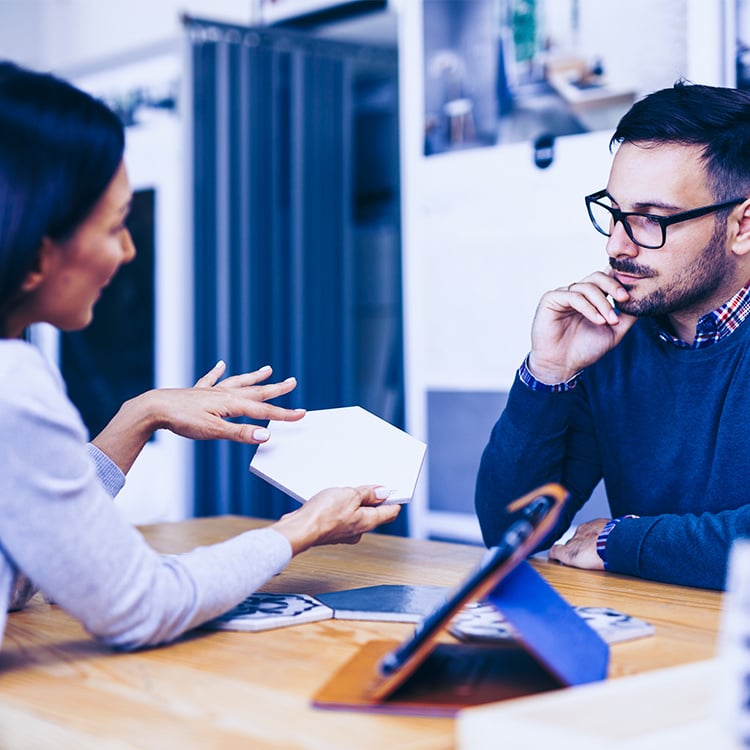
x=669 y=431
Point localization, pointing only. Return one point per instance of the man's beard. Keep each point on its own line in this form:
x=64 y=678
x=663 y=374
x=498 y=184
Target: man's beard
x=694 y=285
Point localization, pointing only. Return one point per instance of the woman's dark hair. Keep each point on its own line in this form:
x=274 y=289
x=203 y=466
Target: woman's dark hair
x=716 y=118
x=59 y=149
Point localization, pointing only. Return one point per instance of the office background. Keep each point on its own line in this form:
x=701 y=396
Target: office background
x=372 y=198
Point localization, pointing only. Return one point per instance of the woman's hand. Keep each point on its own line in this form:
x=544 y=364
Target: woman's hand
x=339 y=515
x=201 y=413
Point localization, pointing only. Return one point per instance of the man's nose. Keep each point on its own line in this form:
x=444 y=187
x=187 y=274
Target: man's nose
x=619 y=242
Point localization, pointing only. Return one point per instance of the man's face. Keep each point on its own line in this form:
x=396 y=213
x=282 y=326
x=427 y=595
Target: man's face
x=694 y=271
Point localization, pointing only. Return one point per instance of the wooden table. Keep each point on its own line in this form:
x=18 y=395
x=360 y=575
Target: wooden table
x=60 y=689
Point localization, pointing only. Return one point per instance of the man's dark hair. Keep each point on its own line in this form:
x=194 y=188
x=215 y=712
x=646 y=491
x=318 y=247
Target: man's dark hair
x=59 y=150
x=716 y=118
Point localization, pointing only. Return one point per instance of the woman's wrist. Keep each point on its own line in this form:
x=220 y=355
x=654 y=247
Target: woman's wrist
x=296 y=531
x=130 y=429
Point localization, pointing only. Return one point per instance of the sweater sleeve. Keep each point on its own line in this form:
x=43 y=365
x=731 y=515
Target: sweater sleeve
x=689 y=549
x=59 y=527
x=540 y=437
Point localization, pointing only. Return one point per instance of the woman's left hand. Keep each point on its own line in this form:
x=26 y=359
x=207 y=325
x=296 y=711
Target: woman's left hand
x=201 y=412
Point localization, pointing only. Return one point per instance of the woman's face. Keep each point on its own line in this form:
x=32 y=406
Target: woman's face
x=73 y=272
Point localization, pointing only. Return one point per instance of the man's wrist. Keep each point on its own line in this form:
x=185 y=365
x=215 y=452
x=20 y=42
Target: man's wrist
x=601 y=540
x=529 y=379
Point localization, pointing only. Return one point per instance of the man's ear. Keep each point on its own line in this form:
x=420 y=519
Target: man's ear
x=44 y=261
x=741 y=243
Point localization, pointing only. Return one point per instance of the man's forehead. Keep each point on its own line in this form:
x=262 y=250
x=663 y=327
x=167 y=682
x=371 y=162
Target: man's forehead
x=659 y=174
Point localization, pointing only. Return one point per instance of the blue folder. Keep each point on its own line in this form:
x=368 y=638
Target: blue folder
x=549 y=628
x=425 y=675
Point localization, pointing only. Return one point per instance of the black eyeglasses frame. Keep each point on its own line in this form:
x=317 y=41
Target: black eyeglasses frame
x=663 y=221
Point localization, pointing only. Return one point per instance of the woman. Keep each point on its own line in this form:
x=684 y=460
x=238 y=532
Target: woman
x=64 y=199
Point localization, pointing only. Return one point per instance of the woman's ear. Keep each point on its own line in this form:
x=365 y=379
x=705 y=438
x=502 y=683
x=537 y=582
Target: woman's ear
x=44 y=261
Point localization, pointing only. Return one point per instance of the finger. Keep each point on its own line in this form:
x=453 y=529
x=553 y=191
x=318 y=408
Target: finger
x=210 y=378
x=247 y=378
x=590 y=289
x=385 y=513
x=372 y=494
x=590 y=302
x=604 y=280
x=571 y=553
x=261 y=410
x=258 y=392
x=239 y=433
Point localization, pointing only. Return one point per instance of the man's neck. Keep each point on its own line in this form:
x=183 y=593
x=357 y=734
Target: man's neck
x=684 y=323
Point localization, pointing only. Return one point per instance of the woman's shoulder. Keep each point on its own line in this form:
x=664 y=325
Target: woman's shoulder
x=13 y=351
x=23 y=362
x=30 y=385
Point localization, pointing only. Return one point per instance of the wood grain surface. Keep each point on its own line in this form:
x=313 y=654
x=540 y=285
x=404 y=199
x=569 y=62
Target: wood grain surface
x=59 y=688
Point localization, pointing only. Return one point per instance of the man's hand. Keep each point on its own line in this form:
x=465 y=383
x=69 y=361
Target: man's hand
x=580 y=550
x=576 y=325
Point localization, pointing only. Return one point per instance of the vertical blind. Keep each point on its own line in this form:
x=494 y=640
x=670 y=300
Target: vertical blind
x=296 y=247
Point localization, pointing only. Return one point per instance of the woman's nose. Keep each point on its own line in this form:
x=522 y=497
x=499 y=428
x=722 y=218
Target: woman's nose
x=128 y=246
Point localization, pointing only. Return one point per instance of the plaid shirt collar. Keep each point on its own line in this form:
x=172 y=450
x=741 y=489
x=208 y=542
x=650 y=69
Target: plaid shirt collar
x=715 y=325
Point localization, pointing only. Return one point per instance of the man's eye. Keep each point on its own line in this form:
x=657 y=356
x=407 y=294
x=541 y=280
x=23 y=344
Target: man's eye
x=646 y=220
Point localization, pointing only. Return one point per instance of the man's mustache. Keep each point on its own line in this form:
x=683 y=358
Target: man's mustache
x=631 y=268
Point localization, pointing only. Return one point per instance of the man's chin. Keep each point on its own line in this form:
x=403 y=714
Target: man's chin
x=639 y=308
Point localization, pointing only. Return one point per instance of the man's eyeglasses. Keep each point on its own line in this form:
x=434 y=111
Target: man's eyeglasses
x=645 y=230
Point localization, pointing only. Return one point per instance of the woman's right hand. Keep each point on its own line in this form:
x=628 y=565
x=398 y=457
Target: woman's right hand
x=338 y=515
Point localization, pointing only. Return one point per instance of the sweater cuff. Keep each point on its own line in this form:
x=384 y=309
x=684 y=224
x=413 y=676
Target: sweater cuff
x=107 y=471
x=601 y=540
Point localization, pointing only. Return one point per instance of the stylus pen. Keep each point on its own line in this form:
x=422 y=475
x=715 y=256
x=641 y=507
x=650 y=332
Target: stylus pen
x=515 y=535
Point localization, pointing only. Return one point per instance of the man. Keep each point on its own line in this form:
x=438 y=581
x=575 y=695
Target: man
x=640 y=374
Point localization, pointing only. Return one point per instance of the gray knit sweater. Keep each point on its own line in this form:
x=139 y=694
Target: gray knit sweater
x=59 y=527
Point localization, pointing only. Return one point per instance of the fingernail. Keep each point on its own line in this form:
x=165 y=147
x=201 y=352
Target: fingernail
x=220 y=363
x=381 y=493
x=300 y=410
x=264 y=368
x=261 y=434
x=291 y=380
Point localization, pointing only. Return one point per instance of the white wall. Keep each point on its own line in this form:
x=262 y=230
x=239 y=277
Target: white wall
x=485 y=232
x=63 y=35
